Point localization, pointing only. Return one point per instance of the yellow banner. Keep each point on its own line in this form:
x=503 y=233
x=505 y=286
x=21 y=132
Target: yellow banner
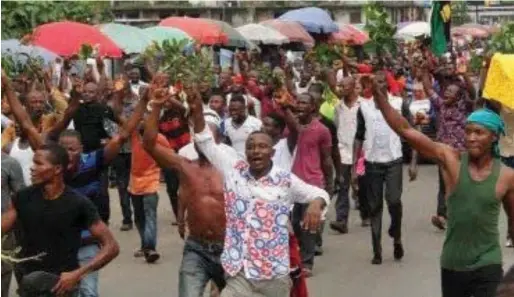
x=499 y=85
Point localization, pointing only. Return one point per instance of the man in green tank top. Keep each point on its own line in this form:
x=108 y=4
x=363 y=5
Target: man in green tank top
x=476 y=184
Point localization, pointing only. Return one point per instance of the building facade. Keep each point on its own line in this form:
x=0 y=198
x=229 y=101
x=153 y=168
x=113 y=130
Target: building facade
x=238 y=13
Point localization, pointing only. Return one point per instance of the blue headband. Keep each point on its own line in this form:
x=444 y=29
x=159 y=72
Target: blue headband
x=491 y=121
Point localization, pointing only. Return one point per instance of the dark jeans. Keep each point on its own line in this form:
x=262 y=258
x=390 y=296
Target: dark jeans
x=306 y=239
x=121 y=166
x=102 y=201
x=481 y=282
x=40 y=284
x=343 y=198
x=391 y=175
x=200 y=263
x=145 y=216
x=172 y=184
x=363 y=198
x=441 y=196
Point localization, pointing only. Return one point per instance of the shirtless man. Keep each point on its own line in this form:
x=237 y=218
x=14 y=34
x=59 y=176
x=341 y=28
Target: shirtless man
x=476 y=184
x=201 y=197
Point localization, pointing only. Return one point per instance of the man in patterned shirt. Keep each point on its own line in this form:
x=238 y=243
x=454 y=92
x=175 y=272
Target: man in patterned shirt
x=258 y=198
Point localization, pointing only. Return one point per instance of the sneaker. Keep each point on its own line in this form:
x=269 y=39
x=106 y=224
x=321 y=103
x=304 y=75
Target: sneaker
x=318 y=251
x=139 y=253
x=439 y=222
x=126 y=227
x=339 y=227
x=377 y=260
x=307 y=272
x=509 y=243
x=152 y=256
x=398 y=251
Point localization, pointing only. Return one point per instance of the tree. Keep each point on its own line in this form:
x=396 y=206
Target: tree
x=460 y=13
x=20 y=17
x=381 y=31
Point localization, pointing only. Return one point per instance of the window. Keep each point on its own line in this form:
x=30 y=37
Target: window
x=355 y=17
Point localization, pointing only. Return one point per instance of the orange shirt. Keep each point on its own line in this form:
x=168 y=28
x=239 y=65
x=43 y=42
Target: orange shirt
x=145 y=174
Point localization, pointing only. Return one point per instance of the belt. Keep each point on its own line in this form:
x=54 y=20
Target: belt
x=209 y=244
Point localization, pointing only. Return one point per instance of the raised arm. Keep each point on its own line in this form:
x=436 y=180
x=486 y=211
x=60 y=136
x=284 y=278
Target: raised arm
x=164 y=156
x=420 y=142
x=21 y=115
x=204 y=138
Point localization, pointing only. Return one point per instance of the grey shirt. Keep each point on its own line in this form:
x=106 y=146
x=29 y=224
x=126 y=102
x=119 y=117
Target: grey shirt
x=12 y=179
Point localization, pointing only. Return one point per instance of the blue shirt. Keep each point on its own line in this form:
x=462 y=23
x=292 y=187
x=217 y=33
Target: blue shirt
x=86 y=180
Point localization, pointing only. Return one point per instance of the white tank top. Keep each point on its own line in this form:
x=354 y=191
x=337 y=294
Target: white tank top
x=24 y=157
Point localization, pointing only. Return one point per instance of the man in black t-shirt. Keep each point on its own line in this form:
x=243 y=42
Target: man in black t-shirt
x=50 y=217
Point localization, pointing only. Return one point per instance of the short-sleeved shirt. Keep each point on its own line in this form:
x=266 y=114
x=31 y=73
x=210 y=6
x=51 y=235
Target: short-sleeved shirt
x=238 y=135
x=12 y=179
x=89 y=122
x=451 y=121
x=307 y=163
x=144 y=171
x=52 y=227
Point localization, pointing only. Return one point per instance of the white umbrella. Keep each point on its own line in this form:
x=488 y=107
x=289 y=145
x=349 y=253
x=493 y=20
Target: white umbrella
x=413 y=30
x=261 y=34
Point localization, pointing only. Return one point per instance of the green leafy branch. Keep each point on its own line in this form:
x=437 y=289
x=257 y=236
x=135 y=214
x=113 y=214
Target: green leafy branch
x=10 y=256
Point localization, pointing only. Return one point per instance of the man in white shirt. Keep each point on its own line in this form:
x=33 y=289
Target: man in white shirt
x=257 y=192
x=346 y=124
x=136 y=84
x=384 y=166
x=239 y=125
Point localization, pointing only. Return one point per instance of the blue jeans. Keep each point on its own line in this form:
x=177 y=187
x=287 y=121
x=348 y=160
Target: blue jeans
x=200 y=263
x=121 y=166
x=145 y=217
x=89 y=284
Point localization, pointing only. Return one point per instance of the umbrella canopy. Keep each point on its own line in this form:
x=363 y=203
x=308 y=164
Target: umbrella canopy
x=203 y=31
x=131 y=40
x=66 y=39
x=350 y=34
x=235 y=38
x=19 y=51
x=315 y=20
x=490 y=29
x=159 y=34
x=292 y=30
x=261 y=34
x=412 y=30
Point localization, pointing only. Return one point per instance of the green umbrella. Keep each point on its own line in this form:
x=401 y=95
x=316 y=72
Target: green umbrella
x=131 y=40
x=159 y=34
x=235 y=38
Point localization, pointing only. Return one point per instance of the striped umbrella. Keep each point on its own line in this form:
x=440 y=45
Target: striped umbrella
x=131 y=40
x=159 y=34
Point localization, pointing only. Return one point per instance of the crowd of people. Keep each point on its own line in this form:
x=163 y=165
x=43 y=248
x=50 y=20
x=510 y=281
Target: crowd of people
x=250 y=167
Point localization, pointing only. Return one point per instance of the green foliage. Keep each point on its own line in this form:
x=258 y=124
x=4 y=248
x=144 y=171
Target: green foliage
x=460 y=13
x=13 y=66
x=381 y=31
x=170 y=57
x=503 y=41
x=20 y=17
x=325 y=53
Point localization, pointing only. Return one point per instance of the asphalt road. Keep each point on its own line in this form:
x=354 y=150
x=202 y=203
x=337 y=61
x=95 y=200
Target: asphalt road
x=343 y=270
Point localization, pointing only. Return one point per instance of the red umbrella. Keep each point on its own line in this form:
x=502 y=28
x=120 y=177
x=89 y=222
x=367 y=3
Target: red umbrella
x=202 y=30
x=292 y=30
x=66 y=39
x=349 y=34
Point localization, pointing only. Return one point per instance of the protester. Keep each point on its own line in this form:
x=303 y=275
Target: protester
x=277 y=188
x=477 y=183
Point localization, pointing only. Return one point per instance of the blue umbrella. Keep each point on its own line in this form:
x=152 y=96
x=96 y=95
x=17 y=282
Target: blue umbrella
x=313 y=19
x=14 y=48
